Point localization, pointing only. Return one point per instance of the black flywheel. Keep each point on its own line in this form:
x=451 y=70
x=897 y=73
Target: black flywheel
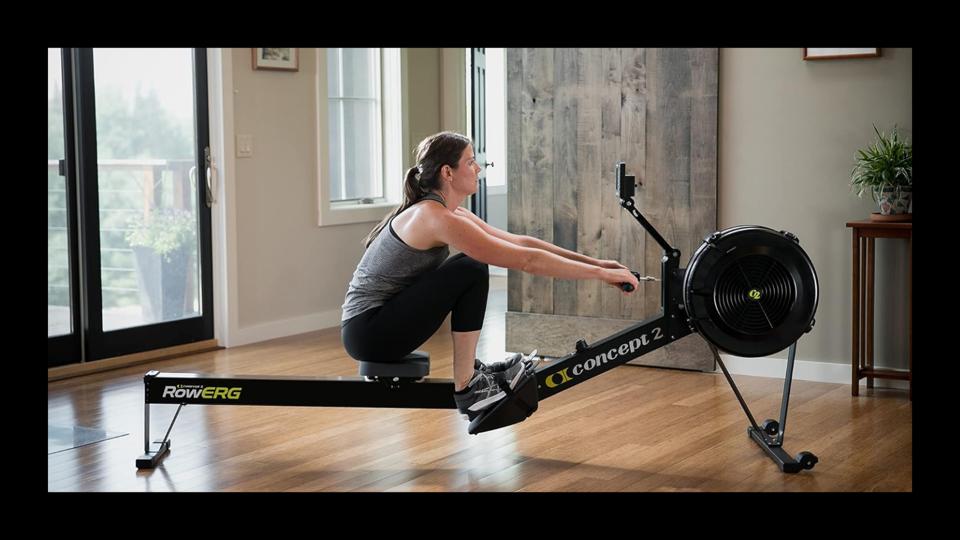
x=750 y=290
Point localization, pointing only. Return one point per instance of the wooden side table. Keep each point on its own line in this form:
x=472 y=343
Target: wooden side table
x=864 y=234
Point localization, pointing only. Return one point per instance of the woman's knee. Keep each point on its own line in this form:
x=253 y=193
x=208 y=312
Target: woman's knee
x=476 y=268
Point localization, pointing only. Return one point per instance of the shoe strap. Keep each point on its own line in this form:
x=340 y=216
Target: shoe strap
x=505 y=386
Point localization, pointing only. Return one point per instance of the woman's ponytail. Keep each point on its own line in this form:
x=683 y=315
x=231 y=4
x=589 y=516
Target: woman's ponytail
x=432 y=153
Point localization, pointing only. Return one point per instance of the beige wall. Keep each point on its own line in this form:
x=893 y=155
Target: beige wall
x=288 y=268
x=788 y=132
x=423 y=83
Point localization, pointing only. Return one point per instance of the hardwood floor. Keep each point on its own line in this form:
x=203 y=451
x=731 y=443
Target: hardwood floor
x=635 y=429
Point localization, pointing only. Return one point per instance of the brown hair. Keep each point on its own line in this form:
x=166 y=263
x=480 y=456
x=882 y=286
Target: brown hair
x=444 y=148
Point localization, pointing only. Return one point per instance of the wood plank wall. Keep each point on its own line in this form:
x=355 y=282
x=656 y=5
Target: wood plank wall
x=572 y=114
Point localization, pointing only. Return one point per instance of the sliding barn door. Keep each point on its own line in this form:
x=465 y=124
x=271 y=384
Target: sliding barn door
x=572 y=114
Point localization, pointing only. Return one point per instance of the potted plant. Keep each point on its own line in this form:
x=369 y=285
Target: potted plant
x=885 y=168
x=164 y=243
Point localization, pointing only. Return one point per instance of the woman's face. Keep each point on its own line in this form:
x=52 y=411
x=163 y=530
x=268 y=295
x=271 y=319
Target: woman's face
x=466 y=175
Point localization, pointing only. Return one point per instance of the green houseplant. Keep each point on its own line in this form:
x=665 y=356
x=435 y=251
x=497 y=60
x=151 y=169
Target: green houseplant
x=164 y=244
x=885 y=168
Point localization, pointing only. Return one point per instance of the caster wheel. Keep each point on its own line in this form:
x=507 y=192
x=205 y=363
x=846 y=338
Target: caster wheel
x=770 y=427
x=807 y=460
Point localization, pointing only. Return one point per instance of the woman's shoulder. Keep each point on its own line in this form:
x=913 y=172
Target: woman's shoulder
x=418 y=225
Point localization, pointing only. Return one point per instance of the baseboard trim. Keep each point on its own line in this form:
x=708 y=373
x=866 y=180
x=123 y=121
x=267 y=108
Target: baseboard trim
x=286 y=327
x=107 y=364
x=803 y=370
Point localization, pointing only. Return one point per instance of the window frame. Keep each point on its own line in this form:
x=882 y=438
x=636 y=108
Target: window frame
x=393 y=121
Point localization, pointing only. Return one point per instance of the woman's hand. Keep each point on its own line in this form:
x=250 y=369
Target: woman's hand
x=610 y=264
x=617 y=277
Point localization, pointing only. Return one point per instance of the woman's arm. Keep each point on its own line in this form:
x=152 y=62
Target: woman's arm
x=461 y=232
x=529 y=241
x=474 y=239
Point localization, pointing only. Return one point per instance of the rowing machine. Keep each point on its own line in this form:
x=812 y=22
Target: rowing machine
x=750 y=291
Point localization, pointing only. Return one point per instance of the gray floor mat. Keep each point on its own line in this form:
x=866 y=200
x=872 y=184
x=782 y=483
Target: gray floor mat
x=61 y=438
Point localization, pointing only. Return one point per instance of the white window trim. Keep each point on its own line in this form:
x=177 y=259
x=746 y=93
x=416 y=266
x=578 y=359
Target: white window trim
x=394 y=122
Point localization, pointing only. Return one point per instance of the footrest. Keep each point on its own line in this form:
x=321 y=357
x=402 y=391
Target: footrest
x=512 y=409
x=415 y=365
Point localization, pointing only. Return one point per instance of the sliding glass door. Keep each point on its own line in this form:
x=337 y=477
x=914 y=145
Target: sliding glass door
x=129 y=257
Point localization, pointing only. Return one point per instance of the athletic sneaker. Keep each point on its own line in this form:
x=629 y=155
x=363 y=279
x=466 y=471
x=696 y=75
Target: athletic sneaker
x=505 y=364
x=484 y=390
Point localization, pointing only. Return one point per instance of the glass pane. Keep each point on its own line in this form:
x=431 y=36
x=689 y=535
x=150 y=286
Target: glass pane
x=59 y=318
x=354 y=123
x=358 y=72
x=333 y=73
x=336 y=150
x=361 y=153
x=146 y=156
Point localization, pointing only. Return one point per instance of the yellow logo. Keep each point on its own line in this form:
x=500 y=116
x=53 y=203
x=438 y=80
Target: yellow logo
x=754 y=294
x=220 y=392
x=564 y=378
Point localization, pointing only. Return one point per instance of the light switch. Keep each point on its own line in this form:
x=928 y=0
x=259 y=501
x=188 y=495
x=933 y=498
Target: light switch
x=244 y=145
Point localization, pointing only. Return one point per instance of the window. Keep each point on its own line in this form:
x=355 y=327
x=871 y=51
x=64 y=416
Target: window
x=354 y=107
x=496 y=105
x=361 y=146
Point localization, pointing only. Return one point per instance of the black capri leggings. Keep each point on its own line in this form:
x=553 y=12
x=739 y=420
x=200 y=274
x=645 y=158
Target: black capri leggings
x=389 y=332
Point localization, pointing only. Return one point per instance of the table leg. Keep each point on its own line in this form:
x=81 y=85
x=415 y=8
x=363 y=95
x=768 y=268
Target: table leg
x=871 y=258
x=910 y=313
x=855 y=319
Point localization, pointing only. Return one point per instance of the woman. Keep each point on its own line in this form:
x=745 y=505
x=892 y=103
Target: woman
x=404 y=286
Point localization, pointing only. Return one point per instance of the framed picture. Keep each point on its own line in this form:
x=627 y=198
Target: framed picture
x=831 y=54
x=279 y=59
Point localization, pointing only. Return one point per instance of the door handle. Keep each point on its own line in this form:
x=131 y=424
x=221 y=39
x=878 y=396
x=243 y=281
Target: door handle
x=209 y=180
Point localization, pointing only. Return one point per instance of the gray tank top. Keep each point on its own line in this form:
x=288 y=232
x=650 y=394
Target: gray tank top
x=387 y=267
